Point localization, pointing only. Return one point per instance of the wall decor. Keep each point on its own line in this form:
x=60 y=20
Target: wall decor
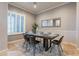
x=56 y=22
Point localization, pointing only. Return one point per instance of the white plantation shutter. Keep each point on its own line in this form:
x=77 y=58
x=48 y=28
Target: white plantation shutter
x=15 y=22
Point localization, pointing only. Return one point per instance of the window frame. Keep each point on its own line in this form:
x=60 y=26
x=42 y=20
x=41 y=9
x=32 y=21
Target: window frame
x=17 y=13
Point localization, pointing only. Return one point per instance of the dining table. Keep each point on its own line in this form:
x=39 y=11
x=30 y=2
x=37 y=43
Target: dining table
x=44 y=37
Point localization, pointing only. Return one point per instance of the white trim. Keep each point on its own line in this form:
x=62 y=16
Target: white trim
x=52 y=7
x=21 y=14
x=14 y=41
x=18 y=6
x=15 y=33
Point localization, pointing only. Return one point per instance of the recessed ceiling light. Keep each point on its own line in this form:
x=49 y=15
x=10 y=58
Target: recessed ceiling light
x=35 y=5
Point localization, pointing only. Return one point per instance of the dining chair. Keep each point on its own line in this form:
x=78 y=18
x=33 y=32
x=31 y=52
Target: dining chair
x=34 y=45
x=58 y=44
x=26 y=41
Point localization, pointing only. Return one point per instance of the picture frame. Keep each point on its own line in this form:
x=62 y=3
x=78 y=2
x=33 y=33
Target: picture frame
x=56 y=22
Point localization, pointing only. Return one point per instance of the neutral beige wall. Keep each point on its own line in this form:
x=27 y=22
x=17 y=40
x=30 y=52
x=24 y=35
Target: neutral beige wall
x=67 y=14
x=29 y=20
x=77 y=25
x=3 y=25
x=68 y=21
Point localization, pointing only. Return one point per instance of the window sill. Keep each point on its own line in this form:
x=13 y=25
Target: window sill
x=15 y=33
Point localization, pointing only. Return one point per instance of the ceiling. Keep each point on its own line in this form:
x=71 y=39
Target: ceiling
x=41 y=6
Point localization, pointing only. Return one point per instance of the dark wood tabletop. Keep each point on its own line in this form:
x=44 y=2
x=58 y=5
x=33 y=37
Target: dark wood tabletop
x=45 y=38
x=43 y=35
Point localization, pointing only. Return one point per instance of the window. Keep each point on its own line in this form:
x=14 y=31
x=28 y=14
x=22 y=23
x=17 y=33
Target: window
x=15 y=22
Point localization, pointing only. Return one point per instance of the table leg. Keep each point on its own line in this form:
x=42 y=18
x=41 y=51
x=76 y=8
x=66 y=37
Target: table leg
x=50 y=43
x=45 y=44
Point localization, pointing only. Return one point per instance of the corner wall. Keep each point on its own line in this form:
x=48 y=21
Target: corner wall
x=3 y=25
x=77 y=24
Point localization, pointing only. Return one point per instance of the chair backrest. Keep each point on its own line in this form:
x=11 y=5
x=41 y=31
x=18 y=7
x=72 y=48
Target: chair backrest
x=60 y=40
x=25 y=37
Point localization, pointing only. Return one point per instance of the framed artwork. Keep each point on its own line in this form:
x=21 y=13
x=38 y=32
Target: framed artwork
x=56 y=22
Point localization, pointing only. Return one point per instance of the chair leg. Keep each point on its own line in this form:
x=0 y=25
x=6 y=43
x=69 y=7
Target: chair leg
x=60 y=50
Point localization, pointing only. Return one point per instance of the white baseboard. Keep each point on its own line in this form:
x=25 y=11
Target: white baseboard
x=14 y=41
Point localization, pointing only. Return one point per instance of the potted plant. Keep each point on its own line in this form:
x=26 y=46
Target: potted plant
x=34 y=27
